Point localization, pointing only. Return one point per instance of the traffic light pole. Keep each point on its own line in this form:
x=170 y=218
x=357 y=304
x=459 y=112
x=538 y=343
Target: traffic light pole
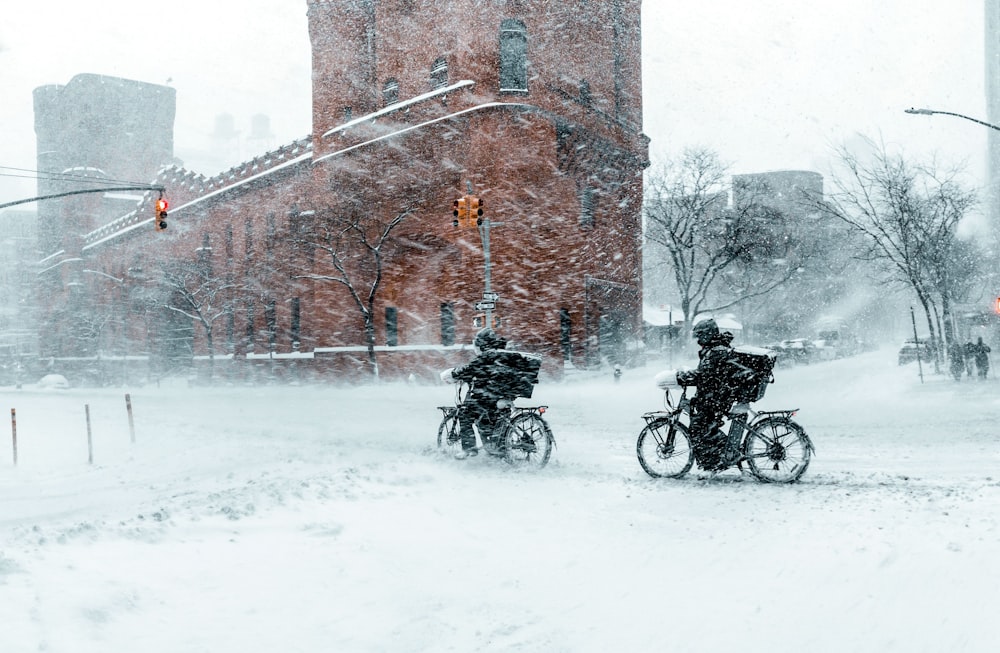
x=80 y=192
x=484 y=233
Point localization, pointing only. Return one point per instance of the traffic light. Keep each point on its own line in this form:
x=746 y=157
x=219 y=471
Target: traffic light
x=475 y=210
x=160 y=219
x=479 y=321
x=461 y=212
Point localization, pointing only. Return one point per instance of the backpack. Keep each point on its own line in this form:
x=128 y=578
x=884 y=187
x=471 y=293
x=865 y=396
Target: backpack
x=515 y=374
x=751 y=370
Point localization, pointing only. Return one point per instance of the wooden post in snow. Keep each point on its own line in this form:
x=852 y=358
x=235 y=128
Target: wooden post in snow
x=90 y=440
x=131 y=424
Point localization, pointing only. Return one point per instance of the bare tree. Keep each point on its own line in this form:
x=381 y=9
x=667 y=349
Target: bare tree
x=908 y=216
x=719 y=256
x=354 y=242
x=192 y=289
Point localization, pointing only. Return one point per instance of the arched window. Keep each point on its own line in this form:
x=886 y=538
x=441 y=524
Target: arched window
x=390 y=92
x=439 y=73
x=513 y=57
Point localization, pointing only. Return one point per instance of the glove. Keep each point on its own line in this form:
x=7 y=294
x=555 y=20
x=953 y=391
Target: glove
x=446 y=375
x=666 y=380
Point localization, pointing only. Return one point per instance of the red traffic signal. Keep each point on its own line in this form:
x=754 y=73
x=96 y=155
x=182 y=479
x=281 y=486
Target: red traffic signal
x=460 y=210
x=475 y=209
x=160 y=217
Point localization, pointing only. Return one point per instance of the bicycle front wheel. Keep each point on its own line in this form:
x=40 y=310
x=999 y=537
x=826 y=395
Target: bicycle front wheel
x=777 y=450
x=528 y=442
x=449 y=440
x=664 y=449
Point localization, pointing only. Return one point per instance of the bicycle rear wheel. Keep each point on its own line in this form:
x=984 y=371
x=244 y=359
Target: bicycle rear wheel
x=777 y=450
x=528 y=441
x=664 y=449
x=449 y=441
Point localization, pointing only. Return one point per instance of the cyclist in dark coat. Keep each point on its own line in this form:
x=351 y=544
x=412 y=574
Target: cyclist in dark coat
x=487 y=387
x=715 y=395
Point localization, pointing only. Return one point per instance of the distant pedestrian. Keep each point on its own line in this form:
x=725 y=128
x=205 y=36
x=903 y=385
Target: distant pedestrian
x=981 y=352
x=970 y=357
x=956 y=356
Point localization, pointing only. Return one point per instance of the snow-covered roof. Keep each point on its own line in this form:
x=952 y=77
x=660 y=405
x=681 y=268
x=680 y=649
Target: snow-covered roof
x=666 y=315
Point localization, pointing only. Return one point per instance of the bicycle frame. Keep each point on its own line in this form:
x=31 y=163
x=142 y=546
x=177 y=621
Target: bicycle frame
x=743 y=421
x=507 y=413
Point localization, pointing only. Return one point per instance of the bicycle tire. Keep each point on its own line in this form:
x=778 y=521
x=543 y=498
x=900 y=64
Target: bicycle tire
x=777 y=450
x=528 y=441
x=448 y=439
x=660 y=453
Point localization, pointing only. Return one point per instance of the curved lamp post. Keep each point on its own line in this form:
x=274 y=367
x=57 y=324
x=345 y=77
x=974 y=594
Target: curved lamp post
x=931 y=112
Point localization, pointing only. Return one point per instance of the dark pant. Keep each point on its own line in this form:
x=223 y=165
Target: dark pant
x=709 y=442
x=482 y=412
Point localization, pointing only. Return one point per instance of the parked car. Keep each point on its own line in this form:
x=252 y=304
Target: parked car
x=827 y=350
x=799 y=350
x=908 y=352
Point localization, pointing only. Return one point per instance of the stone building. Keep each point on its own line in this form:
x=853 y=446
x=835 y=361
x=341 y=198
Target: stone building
x=97 y=129
x=535 y=108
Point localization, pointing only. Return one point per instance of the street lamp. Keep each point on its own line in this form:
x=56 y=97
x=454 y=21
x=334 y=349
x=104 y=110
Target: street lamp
x=931 y=112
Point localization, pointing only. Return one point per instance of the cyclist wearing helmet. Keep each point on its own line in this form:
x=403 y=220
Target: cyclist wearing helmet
x=487 y=387
x=715 y=394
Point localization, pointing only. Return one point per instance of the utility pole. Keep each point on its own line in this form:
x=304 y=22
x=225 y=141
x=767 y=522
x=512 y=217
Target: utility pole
x=468 y=213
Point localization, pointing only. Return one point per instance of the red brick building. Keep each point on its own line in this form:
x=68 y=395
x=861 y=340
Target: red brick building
x=534 y=107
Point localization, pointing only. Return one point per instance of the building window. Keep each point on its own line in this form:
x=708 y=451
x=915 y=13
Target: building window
x=587 y=200
x=565 y=334
x=513 y=57
x=251 y=317
x=391 y=326
x=585 y=97
x=447 y=324
x=271 y=318
x=390 y=92
x=296 y=326
x=348 y=114
x=439 y=73
x=230 y=321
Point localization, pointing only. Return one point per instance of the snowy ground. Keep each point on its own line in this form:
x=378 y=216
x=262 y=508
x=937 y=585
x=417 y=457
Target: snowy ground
x=310 y=519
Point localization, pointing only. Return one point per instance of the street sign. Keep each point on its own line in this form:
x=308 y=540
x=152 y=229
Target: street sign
x=485 y=306
x=490 y=296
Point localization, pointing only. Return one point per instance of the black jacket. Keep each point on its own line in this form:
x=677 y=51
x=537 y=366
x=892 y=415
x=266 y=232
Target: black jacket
x=712 y=377
x=494 y=374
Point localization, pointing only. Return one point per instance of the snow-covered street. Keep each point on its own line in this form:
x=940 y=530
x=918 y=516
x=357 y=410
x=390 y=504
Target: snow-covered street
x=322 y=519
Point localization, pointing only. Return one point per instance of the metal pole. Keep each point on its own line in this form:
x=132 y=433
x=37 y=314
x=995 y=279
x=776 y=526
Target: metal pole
x=484 y=232
x=13 y=433
x=916 y=343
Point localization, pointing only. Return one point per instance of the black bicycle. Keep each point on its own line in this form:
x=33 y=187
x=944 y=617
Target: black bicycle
x=769 y=443
x=521 y=437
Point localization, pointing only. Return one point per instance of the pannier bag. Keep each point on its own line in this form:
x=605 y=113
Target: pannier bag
x=752 y=369
x=516 y=373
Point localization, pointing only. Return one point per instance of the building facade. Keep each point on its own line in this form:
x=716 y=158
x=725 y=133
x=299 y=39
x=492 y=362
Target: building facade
x=301 y=254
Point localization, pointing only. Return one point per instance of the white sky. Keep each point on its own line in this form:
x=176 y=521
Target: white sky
x=769 y=84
